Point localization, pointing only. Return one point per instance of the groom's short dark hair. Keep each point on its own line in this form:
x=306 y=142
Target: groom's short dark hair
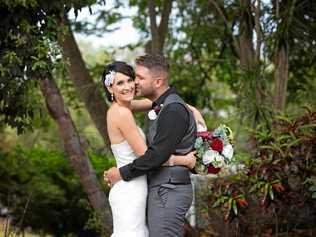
x=154 y=62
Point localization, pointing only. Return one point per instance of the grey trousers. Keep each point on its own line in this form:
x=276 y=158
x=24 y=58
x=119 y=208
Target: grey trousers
x=167 y=205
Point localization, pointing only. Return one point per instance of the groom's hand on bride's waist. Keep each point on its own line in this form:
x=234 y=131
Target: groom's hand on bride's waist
x=112 y=176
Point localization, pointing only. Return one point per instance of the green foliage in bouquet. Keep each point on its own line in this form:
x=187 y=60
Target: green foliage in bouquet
x=225 y=133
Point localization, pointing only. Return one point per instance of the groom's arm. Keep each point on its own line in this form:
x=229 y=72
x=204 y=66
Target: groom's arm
x=171 y=126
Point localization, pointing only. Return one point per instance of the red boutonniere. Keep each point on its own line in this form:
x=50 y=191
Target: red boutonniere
x=157 y=109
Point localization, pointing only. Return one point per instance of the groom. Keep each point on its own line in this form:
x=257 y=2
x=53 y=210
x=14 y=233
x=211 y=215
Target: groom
x=171 y=130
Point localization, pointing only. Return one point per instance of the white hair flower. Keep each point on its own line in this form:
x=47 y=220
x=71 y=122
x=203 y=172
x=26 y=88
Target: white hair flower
x=109 y=78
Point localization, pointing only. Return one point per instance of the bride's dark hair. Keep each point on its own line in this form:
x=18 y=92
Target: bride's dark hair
x=117 y=66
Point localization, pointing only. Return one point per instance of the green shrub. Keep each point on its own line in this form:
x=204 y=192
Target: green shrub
x=279 y=180
x=42 y=192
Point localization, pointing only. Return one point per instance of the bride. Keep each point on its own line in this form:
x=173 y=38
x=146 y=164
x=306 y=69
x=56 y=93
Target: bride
x=128 y=199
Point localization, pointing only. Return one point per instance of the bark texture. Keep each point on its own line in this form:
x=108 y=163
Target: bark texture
x=88 y=90
x=75 y=153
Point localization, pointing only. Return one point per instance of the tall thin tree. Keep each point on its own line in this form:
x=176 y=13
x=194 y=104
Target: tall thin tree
x=159 y=31
x=83 y=82
x=75 y=153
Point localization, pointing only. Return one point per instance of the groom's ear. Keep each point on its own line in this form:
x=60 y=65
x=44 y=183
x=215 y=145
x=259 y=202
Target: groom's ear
x=159 y=82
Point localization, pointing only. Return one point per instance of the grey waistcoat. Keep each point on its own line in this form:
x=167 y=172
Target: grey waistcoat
x=174 y=174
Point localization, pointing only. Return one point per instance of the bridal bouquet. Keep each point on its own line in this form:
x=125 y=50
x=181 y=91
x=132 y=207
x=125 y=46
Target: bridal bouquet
x=214 y=150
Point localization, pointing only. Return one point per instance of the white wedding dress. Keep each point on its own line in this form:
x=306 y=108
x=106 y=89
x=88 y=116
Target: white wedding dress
x=128 y=199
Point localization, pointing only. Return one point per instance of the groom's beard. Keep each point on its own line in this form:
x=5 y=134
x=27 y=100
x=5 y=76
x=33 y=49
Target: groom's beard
x=137 y=91
x=147 y=93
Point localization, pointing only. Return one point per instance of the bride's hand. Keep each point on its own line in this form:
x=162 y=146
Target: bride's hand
x=169 y=162
x=191 y=159
x=187 y=160
x=112 y=176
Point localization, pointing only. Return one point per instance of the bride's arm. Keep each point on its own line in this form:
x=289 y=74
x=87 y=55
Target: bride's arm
x=141 y=105
x=145 y=104
x=197 y=116
x=187 y=160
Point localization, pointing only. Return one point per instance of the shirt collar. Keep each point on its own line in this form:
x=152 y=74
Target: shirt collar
x=161 y=99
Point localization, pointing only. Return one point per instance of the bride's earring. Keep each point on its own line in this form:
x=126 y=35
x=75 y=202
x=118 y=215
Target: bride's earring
x=112 y=97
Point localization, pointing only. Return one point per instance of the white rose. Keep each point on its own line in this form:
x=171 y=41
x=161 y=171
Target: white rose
x=228 y=151
x=209 y=156
x=233 y=168
x=218 y=161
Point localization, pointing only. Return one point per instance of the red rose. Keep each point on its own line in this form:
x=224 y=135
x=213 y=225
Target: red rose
x=212 y=170
x=217 y=145
x=204 y=135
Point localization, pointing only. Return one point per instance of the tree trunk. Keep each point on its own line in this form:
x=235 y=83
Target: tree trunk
x=163 y=26
x=247 y=56
x=77 y=156
x=257 y=12
x=284 y=13
x=158 y=33
x=87 y=88
x=155 y=49
x=281 y=77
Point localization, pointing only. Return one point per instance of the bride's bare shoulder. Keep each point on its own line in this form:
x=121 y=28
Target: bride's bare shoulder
x=117 y=111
